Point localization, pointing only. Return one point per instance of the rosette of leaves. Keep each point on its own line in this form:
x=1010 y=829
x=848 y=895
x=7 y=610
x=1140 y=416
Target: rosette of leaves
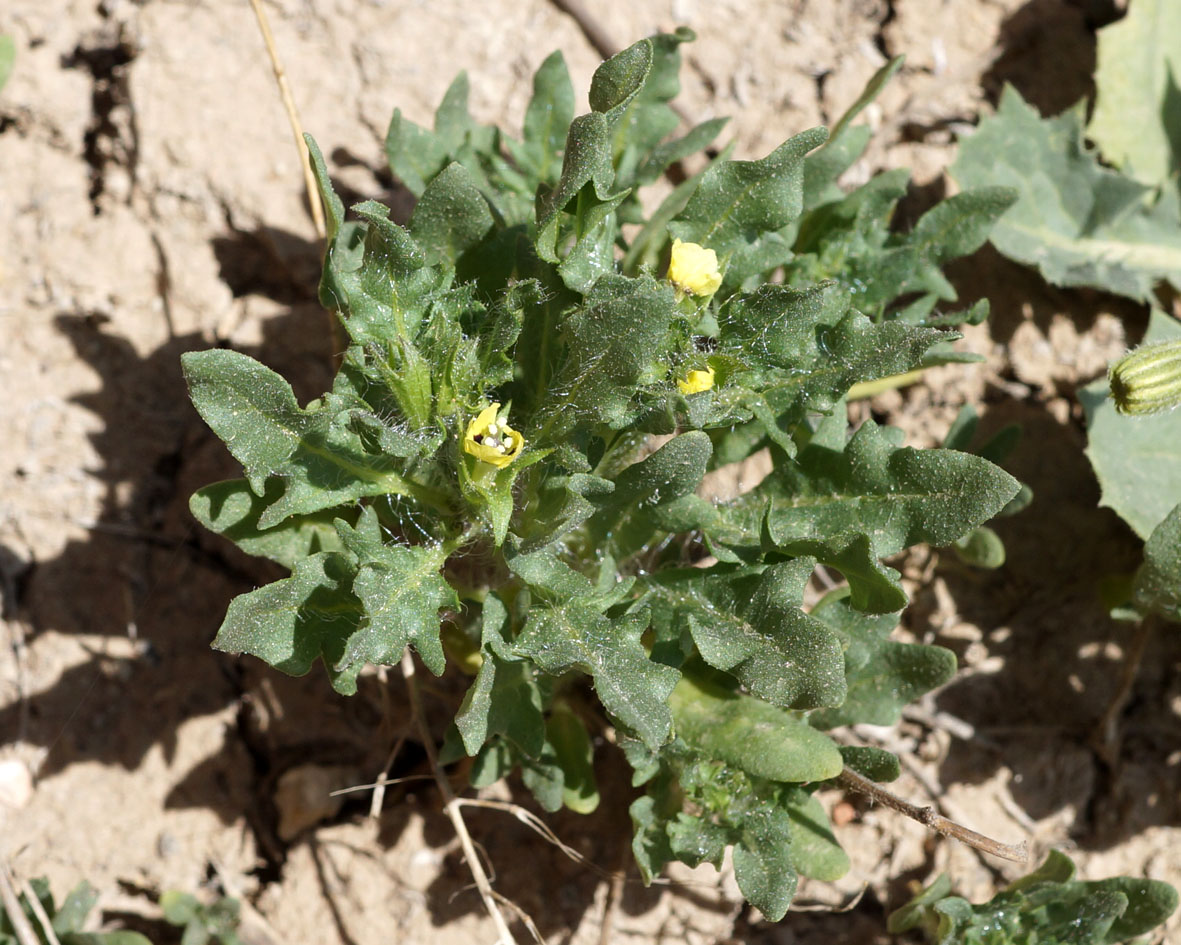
x=531 y=276
x=1047 y=907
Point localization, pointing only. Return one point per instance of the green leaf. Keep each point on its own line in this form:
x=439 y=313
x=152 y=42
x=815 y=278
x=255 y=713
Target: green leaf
x=618 y=80
x=763 y=865
x=1046 y=907
x=504 y=699
x=882 y=676
x=548 y=117
x=401 y=591
x=746 y=732
x=1137 y=460
x=179 y=908
x=453 y=122
x=415 y=155
x=814 y=850
x=320 y=458
x=612 y=344
x=231 y=510
x=898 y=496
x=70 y=917
x=738 y=201
x=625 y=521
x=981 y=548
x=631 y=687
x=294 y=622
x=586 y=160
x=748 y=623
x=333 y=207
x=1158 y=582
x=1079 y=223
x=1135 y=123
x=385 y=299
x=451 y=216
x=575 y=756
x=876 y=764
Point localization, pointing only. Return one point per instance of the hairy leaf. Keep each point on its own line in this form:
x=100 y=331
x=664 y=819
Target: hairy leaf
x=882 y=676
x=320 y=458
x=232 y=510
x=401 y=593
x=294 y=622
x=761 y=739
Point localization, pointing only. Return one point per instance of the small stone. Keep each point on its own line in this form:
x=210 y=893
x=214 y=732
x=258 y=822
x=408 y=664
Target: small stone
x=16 y=784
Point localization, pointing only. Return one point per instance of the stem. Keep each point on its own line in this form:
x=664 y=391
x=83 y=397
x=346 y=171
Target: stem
x=1106 y=736
x=309 y=179
x=452 y=804
x=16 y=915
x=866 y=389
x=852 y=781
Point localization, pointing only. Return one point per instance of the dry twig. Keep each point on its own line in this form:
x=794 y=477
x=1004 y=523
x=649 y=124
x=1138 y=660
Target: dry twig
x=852 y=781
x=452 y=804
x=309 y=179
x=16 y=915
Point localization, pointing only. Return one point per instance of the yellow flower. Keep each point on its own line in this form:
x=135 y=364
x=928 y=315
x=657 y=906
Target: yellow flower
x=694 y=269
x=697 y=381
x=492 y=441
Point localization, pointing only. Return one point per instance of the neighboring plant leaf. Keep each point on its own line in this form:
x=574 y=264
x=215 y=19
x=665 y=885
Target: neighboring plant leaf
x=1080 y=224
x=1135 y=122
x=1158 y=582
x=1137 y=460
x=1047 y=907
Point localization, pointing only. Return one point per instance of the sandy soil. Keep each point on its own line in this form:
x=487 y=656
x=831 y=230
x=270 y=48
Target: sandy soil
x=151 y=203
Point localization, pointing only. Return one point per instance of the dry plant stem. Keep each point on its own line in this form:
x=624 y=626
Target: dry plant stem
x=451 y=805
x=852 y=781
x=614 y=896
x=293 y=118
x=38 y=910
x=591 y=28
x=16 y=915
x=1106 y=738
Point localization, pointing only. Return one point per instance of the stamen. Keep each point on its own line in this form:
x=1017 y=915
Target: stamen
x=507 y=443
x=493 y=428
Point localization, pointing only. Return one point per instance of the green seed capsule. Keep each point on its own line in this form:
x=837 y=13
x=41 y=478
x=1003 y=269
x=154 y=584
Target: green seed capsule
x=1147 y=380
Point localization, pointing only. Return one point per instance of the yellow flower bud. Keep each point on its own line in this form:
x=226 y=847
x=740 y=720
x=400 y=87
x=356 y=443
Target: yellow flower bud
x=694 y=269
x=1148 y=380
x=696 y=381
x=492 y=441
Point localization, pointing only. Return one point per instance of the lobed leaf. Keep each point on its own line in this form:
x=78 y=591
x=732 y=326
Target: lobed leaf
x=1078 y=222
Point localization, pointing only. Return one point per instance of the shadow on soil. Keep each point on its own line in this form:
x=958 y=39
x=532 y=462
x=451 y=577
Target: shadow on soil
x=1041 y=613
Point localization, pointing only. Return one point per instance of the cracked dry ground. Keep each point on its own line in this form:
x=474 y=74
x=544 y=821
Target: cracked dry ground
x=151 y=204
